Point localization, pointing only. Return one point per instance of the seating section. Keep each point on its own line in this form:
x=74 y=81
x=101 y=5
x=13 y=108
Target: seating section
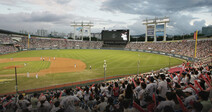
x=159 y=91
x=58 y=43
x=186 y=48
x=5 y=39
x=7 y=45
x=4 y=49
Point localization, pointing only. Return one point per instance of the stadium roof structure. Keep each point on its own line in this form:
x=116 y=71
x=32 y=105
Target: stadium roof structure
x=9 y=32
x=16 y=33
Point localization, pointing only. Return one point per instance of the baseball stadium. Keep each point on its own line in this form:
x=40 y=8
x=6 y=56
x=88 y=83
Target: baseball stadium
x=71 y=61
x=109 y=71
x=40 y=64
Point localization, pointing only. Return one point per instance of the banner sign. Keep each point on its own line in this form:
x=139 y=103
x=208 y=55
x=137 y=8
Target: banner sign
x=160 y=30
x=150 y=30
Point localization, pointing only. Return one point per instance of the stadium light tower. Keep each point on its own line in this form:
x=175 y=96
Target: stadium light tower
x=81 y=26
x=105 y=66
x=156 y=26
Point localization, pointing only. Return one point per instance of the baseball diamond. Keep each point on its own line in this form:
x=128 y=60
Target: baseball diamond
x=62 y=70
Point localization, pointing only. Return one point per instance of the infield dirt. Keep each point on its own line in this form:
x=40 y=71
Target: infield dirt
x=58 y=65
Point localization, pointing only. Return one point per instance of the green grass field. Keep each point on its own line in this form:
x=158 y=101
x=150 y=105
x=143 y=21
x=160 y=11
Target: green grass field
x=32 y=67
x=118 y=63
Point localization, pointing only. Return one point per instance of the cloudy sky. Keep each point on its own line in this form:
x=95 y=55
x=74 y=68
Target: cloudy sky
x=185 y=15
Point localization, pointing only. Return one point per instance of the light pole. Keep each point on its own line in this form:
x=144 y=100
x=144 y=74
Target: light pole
x=105 y=66
x=138 y=64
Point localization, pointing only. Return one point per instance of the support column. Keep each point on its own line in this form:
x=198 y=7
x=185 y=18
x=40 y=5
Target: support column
x=164 y=37
x=154 y=22
x=146 y=34
x=82 y=31
x=89 y=33
x=155 y=39
x=129 y=36
x=74 y=32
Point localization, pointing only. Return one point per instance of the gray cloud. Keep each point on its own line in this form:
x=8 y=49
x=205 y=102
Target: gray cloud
x=179 y=12
x=154 y=7
x=62 y=1
x=9 y=2
x=179 y=22
x=137 y=28
x=36 y=17
x=45 y=17
x=50 y=21
x=35 y=20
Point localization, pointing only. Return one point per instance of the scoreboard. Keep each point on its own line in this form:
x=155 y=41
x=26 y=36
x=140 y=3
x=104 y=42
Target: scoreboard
x=115 y=35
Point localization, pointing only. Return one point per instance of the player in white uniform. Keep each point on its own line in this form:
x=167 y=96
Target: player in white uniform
x=27 y=74
x=36 y=76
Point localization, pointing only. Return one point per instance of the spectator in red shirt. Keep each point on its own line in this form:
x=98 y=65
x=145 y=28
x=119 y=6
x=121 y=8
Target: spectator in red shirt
x=116 y=90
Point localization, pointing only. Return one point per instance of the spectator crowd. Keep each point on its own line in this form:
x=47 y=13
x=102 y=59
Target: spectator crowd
x=7 y=49
x=6 y=44
x=5 y=39
x=186 y=48
x=160 y=91
x=58 y=43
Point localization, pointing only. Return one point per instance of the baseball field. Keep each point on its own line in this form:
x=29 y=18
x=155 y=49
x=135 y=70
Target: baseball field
x=43 y=68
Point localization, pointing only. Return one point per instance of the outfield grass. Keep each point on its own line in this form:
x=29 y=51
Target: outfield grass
x=118 y=63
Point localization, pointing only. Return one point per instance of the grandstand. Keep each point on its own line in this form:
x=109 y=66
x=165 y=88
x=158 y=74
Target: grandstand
x=11 y=44
x=189 y=89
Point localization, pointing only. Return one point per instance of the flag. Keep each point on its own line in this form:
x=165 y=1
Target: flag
x=29 y=36
x=28 y=39
x=195 y=36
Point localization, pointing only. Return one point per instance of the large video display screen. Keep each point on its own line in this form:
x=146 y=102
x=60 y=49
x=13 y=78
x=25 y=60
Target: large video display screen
x=115 y=35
